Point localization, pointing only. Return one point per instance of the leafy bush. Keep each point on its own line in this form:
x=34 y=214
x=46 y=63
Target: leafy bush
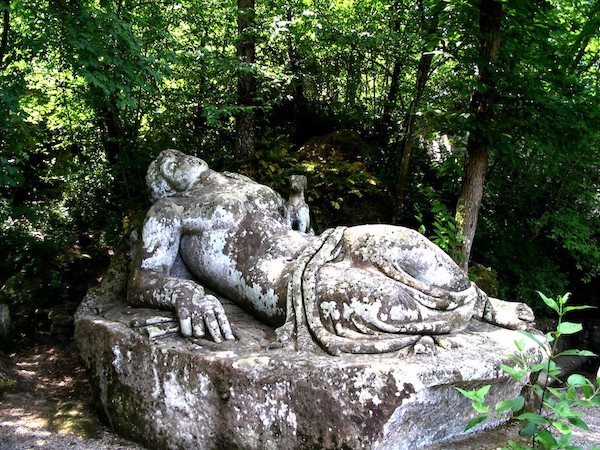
x=342 y=193
x=444 y=230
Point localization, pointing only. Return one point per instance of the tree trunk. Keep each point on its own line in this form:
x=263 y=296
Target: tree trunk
x=383 y=127
x=5 y=30
x=482 y=101
x=246 y=50
x=408 y=141
x=430 y=25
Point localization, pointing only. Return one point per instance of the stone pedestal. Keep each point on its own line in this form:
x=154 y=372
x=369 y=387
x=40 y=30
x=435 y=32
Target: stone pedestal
x=169 y=392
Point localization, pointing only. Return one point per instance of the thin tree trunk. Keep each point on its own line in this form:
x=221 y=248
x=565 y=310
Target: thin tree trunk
x=5 y=30
x=482 y=101
x=384 y=124
x=410 y=121
x=408 y=141
x=245 y=135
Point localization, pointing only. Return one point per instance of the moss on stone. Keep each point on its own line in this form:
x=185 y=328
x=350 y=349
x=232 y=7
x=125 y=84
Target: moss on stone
x=485 y=278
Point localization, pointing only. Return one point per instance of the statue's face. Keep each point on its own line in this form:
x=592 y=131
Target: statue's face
x=181 y=170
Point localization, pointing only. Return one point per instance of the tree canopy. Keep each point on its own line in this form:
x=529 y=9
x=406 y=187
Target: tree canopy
x=92 y=90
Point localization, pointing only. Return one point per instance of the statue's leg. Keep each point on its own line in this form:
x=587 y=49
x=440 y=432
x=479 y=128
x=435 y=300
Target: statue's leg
x=406 y=256
x=357 y=300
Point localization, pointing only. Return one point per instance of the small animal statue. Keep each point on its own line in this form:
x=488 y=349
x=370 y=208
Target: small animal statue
x=297 y=215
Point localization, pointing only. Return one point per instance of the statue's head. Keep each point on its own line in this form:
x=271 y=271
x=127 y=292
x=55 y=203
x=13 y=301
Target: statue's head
x=172 y=172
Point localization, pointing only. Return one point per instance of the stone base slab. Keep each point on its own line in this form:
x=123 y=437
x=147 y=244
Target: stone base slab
x=169 y=392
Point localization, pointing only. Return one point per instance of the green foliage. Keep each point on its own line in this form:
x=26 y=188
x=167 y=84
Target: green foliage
x=48 y=260
x=551 y=425
x=444 y=229
x=92 y=90
x=6 y=383
x=344 y=193
x=486 y=279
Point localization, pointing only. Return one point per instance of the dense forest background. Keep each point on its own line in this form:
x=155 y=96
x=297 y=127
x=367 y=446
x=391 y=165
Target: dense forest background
x=476 y=121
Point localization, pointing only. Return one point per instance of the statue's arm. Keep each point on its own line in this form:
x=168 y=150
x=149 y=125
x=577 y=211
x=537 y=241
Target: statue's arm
x=150 y=283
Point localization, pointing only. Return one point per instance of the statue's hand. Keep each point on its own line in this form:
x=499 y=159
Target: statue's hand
x=201 y=314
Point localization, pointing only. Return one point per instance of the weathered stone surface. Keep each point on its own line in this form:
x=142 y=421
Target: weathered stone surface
x=377 y=296
x=167 y=391
x=362 y=289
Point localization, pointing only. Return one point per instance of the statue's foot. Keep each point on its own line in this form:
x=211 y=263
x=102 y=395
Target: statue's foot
x=511 y=315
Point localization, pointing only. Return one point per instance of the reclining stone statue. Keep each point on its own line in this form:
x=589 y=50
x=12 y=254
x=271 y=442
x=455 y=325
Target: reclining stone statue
x=362 y=289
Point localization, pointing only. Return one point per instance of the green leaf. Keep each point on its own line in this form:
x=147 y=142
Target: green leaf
x=520 y=344
x=482 y=391
x=577 y=380
x=528 y=429
x=546 y=438
x=563 y=299
x=569 y=328
x=533 y=418
x=516 y=373
x=539 y=367
x=535 y=338
x=549 y=302
x=577 y=308
x=515 y=445
x=515 y=404
x=471 y=395
x=480 y=408
x=575 y=352
x=475 y=421
x=562 y=427
x=576 y=421
x=563 y=408
x=558 y=393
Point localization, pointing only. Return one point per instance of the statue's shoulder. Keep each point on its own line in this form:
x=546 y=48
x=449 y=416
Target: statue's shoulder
x=238 y=177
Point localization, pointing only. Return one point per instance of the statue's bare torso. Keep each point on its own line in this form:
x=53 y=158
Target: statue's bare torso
x=238 y=247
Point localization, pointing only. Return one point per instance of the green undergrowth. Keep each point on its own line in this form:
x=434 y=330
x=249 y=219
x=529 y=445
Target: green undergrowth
x=553 y=407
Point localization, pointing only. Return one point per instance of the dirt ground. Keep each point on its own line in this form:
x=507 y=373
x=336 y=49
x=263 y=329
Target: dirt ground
x=51 y=408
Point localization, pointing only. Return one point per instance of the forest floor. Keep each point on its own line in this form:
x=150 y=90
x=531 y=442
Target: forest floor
x=51 y=407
